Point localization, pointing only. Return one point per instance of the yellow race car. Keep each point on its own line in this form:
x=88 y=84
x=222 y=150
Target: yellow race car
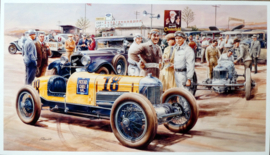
x=134 y=105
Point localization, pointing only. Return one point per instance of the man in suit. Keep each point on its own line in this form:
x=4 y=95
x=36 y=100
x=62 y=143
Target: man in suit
x=83 y=43
x=30 y=58
x=70 y=46
x=43 y=51
x=133 y=69
x=255 y=51
x=148 y=56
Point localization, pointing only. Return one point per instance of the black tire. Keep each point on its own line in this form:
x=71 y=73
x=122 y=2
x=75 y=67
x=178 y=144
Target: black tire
x=119 y=63
x=52 y=54
x=144 y=119
x=12 y=49
x=32 y=99
x=192 y=105
x=194 y=87
x=102 y=70
x=248 y=84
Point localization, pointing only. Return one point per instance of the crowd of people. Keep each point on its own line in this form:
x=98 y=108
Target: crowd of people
x=173 y=62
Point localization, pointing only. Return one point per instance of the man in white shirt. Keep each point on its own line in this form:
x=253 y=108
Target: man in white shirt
x=226 y=56
x=228 y=44
x=221 y=45
x=133 y=69
x=205 y=44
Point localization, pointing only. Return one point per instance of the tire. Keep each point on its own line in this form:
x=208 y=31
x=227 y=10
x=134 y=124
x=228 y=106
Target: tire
x=119 y=63
x=191 y=106
x=103 y=70
x=12 y=49
x=194 y=87
x=52 y=54
x=122 y=127
x=248 y=84
x=33 y=109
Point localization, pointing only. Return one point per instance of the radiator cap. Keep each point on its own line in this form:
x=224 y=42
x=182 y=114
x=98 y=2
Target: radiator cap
x=150 y=75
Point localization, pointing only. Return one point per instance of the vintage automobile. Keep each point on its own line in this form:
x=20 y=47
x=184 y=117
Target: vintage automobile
x=58 y=46
x=110 y=56
x=18 y=44
x=133 y=105
x=225 y=80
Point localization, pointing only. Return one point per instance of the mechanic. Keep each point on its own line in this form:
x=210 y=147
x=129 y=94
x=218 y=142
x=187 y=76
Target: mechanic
x=228 y=44
x=212 y=55
x=83 y=43
x=244 y=54
x=92 y=46
x=43 y=52
x=255 y=51
x=164 y=42
x=184 y=61
x=226 y=56
x=148 y=56
x=70 y=46
x=167 y=73
x=30 y=58
x=205 y=44
x=133 y=68
x=221 y=44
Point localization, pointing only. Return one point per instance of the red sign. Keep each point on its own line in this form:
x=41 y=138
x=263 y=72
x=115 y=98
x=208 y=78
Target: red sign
x=172 y=21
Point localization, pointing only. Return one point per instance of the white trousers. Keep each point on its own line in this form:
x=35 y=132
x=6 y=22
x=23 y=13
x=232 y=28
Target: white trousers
x=181 y=79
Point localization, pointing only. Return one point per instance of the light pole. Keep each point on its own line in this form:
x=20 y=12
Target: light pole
x=151 y=15
x=216 y=6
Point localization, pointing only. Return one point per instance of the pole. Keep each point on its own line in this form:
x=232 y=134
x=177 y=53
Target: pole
x=215 y=16
x=151 y=16
x=84 y=16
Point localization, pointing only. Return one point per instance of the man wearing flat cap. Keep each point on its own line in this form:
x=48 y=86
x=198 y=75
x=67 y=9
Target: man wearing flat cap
x=205 y=44
x=83 y=43
x=148 y=56
x=30 y=58
x=184 y=61
x=167 y=73
x=43 y=52
x=70 y=45
x=255 y=51
x=244 y=54
x=133 y=69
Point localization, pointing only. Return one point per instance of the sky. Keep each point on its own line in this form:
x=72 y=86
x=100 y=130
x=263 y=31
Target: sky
x=46 y=15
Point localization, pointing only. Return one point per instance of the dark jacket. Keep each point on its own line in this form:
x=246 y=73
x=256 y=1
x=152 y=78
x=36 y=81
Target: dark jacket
x=42 y=54
x=81 y=42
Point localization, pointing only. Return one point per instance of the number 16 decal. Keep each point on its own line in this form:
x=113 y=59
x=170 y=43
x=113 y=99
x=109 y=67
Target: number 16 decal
x=114 y=85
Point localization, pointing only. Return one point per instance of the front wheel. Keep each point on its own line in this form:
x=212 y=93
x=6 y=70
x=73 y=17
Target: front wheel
x=184 y=102
x=248 y=84
x=102 y=70
x=28 y=105
x=12 y=49
x=133 y=120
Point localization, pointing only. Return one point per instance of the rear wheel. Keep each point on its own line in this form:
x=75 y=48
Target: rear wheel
x=182 y=101
x=248 y=84
x=102 y=70
x=12 y=49
x=120 y=64
x=28 y=105
x=133 y=120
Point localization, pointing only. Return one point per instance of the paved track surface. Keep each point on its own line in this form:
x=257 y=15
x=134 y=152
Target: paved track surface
x=227 y=122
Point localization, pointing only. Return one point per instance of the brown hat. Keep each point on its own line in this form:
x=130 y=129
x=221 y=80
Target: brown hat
x=170 y=36
x=236 y=40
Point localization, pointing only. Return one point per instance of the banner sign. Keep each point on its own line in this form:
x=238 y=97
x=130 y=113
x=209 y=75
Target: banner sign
x=172 y=21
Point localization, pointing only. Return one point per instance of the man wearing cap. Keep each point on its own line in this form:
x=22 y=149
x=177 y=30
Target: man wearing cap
x=164 y=42
x=167 y=73
x=205 y=44
x=220 y=44
x=43 y=52
x=70 y=45
x=244 y=54
x=133 y=68
x=83 y=43
x=212 y=55
x=148 y=56
x=30 y=58
x=226 y=56
x=255 y=51
x=228 y=44
x=184 y=61
x=92 y=46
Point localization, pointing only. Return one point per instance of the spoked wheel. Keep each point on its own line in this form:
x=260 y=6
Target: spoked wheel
x=133 y=120
x=120 y=64
x=102 y=70
x=12 y=49
x=184 y=102
x=248 y=84
x=28 y=105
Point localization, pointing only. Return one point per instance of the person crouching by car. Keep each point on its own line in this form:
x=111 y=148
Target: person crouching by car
x=226 y=56
x=69 y=45
x=83 y=43
x=43 y=52
x=133 y=68
x=92 y=46
x=244 y=54
x=167 y=73
x=30 y=58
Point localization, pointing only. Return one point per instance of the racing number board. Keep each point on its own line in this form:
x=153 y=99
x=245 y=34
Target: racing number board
x=82 y=86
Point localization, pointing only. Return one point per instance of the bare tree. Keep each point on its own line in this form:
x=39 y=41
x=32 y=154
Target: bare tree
x=188 y=15
x=83 y=23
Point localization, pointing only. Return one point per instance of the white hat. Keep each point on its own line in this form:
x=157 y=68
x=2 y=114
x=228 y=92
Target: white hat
x=137 y=35
x=254 y=36
x=203 y=38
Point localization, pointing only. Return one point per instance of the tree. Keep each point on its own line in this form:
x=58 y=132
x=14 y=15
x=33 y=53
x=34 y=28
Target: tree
x=188 y=15
x=83 y=23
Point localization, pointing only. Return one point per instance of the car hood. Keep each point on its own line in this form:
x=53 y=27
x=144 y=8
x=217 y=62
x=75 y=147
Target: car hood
x=238 y=27
x=99 y=52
